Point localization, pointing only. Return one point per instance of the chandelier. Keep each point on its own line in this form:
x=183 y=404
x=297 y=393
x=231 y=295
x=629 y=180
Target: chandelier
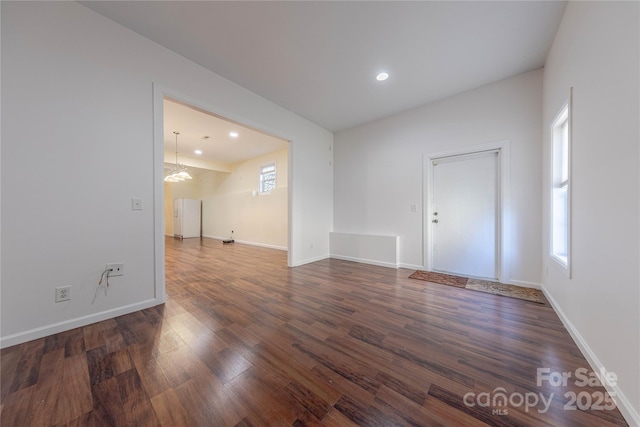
x=179 y=172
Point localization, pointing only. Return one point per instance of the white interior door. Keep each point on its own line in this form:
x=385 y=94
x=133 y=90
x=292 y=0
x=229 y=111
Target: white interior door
x=465 y=215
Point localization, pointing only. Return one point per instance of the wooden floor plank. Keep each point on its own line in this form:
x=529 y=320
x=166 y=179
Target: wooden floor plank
x=243 y=340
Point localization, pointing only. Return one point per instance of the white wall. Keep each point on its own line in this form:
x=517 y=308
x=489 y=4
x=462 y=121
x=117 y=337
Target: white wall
x=379 y=166
x=77 y=106
x=596 y=50
x=229 y=203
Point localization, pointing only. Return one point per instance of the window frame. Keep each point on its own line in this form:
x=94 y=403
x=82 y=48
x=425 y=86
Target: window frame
x=262 y=173
x=560 y=178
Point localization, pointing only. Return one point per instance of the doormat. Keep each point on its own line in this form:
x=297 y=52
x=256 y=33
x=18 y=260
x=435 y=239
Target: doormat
x=495 y=288
x=443 y=279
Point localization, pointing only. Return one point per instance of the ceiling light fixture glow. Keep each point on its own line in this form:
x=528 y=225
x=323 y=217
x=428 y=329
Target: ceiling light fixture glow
x=198 y=152
x=179 y=172
x=233 y=134
x=382 y=76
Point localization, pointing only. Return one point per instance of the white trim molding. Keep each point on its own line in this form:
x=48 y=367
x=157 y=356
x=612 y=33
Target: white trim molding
x=372 y=249
x=246 y=242
x=411 y=266
x=525 y=284
x=310 y=260
x=158 y=192
x=67 y=325
x=364 y=261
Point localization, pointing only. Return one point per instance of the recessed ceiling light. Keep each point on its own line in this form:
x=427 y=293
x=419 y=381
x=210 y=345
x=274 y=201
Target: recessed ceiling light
x=198 y=152
x=233 y=134
x=382 y=77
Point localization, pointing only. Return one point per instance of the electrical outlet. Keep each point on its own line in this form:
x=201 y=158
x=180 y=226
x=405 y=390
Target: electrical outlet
x=63 y=293
x=117 y=269
x=136 y=204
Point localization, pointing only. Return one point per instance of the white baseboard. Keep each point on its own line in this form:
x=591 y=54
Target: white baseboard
x=45 y=331
x=365 y=261
x=412 y=267
x=262 y=245
x=215 y=237
x=370 y=249
x=246 y=242
x=525 y=284
x=309 y=260
x=624 y=405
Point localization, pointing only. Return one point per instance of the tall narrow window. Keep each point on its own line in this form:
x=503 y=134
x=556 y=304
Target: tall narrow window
x=267 y=178
x=561 y=189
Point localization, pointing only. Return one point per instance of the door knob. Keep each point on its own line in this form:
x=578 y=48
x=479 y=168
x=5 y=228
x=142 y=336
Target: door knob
x=435 y=220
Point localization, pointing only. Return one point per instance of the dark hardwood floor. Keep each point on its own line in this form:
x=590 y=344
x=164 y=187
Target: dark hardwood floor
x=245 y=341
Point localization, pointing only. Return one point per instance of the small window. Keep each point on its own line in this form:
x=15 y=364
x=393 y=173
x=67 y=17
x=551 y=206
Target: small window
x=267 y=178
x=560 y=221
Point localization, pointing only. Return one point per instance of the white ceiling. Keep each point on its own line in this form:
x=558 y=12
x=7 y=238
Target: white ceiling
x=319 y=59
x=194 y=125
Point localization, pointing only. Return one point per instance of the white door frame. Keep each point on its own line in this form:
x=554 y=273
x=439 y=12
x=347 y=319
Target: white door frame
x=503 y=249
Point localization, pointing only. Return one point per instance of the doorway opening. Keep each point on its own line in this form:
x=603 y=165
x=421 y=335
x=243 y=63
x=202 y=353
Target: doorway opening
x=224 y=158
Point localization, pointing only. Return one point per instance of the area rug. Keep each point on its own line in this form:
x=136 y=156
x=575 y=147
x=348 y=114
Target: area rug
x=443 y=279
x=495 y=288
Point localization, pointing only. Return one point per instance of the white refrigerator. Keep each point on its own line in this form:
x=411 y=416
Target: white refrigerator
x=186 y=218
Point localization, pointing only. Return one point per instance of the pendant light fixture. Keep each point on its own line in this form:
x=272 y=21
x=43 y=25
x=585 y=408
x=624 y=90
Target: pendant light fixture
x=179 y=173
